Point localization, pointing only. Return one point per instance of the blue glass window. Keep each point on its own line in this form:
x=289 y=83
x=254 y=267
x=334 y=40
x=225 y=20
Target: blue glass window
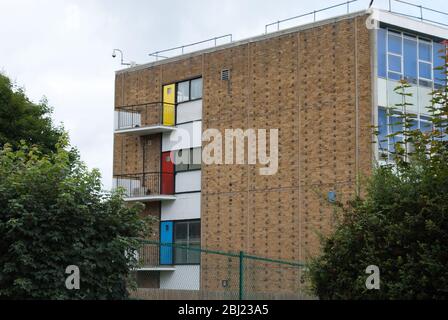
x=410 y=59
x=394 y=63
x=425 y=70
x=394 y=43
x=425 y=124
x=382 y=33
x=394 y=140
x=394 y=76
x=424 y=51
x=414 y=124
x=396 y=123
x=439 y=77
x=382 y=128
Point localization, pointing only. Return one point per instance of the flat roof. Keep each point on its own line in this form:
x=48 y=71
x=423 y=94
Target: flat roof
x=378 y=15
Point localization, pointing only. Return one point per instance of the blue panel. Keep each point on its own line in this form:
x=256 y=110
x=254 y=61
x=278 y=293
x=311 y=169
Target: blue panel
x=425 y=124
x=410 y=59
x=394 y=141
x=425 y=70
x=414 y=125
x=394 y=63
x=382 y=128
x=166 y=236
x=438 y=62
x=394 y=76
x=382 y=33
x=424 y=51
x=396 y=124
x=394 y=43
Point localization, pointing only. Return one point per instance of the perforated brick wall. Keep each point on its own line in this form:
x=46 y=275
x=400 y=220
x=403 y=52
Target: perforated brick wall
x=314 y=86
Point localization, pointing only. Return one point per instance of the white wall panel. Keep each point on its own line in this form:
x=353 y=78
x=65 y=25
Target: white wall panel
x=186 y=136
x=189 y=111
x=185 y=207
x=183 y=278
x=188 y=181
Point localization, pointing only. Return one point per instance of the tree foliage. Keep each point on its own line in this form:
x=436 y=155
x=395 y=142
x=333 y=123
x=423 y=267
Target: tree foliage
x=400 y=224
x=21 y=119
x=53 y=214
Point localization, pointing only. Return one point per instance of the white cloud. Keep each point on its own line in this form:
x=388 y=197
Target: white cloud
x=62 y=49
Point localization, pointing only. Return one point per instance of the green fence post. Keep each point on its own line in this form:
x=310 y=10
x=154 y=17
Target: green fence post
x=241 y=296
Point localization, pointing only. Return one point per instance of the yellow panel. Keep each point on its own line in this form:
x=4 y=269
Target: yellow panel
x=169 y=98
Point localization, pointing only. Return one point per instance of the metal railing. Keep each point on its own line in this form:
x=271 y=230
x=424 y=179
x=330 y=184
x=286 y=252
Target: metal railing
x=229 y=275
x=144 y=184
x=422 y=10
x=312 y=13
x=149 y=256
x=142 y=115
x=182 y=48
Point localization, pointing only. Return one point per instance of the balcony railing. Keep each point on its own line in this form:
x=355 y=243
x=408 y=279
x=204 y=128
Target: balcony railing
x=149 y=256
x=146 y=185
x=141 y=116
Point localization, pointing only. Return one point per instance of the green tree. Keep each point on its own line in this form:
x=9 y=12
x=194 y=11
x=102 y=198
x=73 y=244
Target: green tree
x=53 y=214
x=400 y=224
x=21 y=119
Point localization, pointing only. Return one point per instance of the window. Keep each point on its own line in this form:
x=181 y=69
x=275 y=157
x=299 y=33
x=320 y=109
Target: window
x=395 y=43
x=196 y=89
x=438 y=61
x=382 y=50
x=393 y=123
x=188 y=235
x=189 y=90
x=188 y=159
x=410 y=59
x=406 y=56
x=425 y=59
x=183 y=91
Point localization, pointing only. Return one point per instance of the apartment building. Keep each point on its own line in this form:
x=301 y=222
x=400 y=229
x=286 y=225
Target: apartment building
x=323 y=85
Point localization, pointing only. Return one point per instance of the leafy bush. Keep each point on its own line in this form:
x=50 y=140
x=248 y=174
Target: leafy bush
x=399 y=225
x=53 y=214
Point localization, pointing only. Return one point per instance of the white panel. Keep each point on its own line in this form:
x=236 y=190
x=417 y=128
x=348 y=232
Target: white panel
x=382 y=92
x=188 y=181
x=186 y=207
x=185 y=136
x=190 y=111
x=414 y=99
x=424 y=99
x=184 y=278
x=393 y=98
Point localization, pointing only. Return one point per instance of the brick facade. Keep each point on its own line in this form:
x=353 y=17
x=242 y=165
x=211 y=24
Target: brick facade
x=314 y=85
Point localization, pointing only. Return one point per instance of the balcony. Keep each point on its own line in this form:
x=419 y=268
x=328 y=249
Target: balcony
x=145 y=119
x=149 y=258
x=146 y=187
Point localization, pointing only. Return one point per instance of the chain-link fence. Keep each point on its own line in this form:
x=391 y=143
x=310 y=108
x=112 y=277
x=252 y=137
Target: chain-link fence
x=173 y=271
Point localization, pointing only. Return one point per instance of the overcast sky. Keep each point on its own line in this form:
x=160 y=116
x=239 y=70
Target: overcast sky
x=62 y=49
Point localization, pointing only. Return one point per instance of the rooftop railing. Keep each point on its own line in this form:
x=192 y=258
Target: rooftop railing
x=309 y=14
x=181 y=49
x=422 y=12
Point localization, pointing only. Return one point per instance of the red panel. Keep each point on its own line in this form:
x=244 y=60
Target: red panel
x=167 y=174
